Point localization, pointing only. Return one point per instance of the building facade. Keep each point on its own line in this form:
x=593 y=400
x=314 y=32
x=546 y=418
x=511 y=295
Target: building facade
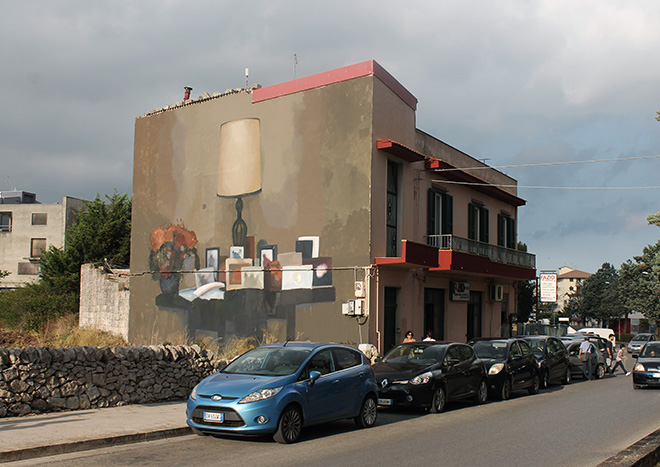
x=568 y=282
x=316 y=210
x=27 y=228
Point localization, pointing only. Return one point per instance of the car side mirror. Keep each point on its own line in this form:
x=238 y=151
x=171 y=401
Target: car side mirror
x=313 y=376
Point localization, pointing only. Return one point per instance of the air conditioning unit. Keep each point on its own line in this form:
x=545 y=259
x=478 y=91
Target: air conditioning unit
x=496 y=292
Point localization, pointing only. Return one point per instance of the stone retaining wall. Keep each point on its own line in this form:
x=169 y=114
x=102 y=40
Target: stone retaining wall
x=48 y=379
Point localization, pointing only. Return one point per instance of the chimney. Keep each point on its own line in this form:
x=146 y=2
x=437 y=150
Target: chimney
x=186 y=96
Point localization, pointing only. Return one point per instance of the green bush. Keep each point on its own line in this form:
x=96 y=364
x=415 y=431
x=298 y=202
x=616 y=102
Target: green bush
x=32 y=306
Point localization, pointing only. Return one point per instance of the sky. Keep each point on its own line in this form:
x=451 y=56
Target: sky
x=518 y=83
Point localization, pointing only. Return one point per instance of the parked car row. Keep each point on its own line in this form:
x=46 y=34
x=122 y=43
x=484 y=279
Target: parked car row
x=277 y=389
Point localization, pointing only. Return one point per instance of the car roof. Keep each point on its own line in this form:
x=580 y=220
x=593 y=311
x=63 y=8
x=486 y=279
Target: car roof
x=301 y=345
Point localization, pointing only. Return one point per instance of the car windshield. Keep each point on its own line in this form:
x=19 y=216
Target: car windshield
x=651 y=350
x=490 y=349
x=268 y=362
x=640 y=338
x=416 y=354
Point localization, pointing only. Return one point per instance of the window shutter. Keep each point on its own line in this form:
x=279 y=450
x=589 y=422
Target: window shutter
x=430 y=213
x=512 y=233
x=447 y=214
x=483 y=235
x=472 y=221
x=501 y=230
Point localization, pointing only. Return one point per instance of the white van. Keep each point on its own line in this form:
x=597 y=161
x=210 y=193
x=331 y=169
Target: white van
x=602 y=332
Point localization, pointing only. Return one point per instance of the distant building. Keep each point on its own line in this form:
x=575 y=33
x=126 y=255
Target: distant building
x=27 y=228
x=315 y=209
x=568 y=281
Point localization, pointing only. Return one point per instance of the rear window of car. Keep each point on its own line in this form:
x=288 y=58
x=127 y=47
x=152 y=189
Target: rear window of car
x=346 y=358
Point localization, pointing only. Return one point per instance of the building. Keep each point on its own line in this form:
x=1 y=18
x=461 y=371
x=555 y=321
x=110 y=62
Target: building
x=27 y=228
x=568 y=282
x=315 y=209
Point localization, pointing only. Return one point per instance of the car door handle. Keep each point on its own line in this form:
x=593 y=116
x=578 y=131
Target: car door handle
x=335 y=381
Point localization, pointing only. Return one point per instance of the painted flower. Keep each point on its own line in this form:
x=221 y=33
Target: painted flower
x=173 y=250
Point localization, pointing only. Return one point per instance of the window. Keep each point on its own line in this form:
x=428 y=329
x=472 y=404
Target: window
x=321 y=362
x=28 y=269
x=506 y=231
x=39 y=218
x=346 y=358
x=477 y=222
x=515 y=350
x=439 y=216
x=37 y=248
x=5 y=221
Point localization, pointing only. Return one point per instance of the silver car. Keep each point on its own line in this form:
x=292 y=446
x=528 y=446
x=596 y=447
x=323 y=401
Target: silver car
x=637 y=342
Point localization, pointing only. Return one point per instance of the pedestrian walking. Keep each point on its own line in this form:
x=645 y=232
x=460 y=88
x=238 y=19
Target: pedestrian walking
x=609 y=361
x=586 y=351
x=619 y=361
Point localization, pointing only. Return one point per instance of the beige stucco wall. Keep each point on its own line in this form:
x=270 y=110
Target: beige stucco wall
x=104 y=300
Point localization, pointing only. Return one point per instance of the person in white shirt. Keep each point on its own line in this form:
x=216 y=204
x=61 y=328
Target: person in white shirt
x=586 y=352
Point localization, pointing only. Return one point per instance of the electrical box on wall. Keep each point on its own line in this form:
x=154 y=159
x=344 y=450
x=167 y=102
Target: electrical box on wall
x=496 y=292
x=354 y=308
x=359 y=289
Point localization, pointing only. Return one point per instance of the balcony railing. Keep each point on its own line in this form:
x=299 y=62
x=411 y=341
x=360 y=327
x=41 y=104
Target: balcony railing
x=493 y=252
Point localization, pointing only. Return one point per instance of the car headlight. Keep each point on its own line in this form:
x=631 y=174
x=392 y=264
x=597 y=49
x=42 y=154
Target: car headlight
x=421 y=379
x=260 y=395
x=496 y=368
x=193 y=394
x=639 y=367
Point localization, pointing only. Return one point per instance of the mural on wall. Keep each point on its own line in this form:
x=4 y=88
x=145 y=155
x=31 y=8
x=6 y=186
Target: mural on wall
x=247 y=288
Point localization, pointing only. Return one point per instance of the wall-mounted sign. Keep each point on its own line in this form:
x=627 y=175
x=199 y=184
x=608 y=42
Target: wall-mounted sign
x=460 y=291
x=548 y=285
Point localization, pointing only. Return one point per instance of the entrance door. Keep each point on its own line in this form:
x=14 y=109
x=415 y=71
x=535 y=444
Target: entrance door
x=389 y=328
x=434 y=313
x=474 y=315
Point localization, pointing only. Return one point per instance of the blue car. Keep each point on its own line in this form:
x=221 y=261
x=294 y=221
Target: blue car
x=279 y=388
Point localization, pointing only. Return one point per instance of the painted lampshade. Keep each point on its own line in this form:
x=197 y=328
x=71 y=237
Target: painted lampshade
x=239 y=168
x=239 y=172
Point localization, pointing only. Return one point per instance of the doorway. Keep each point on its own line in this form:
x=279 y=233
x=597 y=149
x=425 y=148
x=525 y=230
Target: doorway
x=434 y=313
x=390 y=318
x=474 y=315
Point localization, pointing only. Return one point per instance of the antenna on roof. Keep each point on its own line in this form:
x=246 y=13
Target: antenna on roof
x=295 y=62
x=246 y=79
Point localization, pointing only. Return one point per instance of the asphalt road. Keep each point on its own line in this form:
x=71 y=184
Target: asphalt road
x=581 y=424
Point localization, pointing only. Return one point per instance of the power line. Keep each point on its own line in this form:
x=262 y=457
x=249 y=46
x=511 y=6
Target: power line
x=542 y=164
x=552 y=187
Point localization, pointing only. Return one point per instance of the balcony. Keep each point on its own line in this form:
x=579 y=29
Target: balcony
x=470 y=256
x=495 y=253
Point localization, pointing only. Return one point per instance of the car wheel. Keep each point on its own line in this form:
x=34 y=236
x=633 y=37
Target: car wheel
x=568 y=377
x=545 y=380
x=289 y=426
x=482 y=393
x=368 y=413
x=536 y=384
x=439 y=400
x=505 y=390
x=600 y=371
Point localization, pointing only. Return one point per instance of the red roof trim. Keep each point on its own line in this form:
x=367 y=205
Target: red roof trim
x=368 y=68
x=458 y=261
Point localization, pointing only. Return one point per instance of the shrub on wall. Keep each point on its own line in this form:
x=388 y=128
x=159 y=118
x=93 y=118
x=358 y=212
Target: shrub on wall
x=32 y=306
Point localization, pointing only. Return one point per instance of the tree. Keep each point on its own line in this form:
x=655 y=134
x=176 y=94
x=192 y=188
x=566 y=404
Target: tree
x=102 y=231
x=654 y=219
x=640 y=284
x=526 y=294
x=600 y=295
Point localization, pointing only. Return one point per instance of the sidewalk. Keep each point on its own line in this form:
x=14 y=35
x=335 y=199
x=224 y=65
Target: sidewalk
x=61 y=432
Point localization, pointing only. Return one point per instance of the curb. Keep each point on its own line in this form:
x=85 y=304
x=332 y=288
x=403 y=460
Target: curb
x=75 y=446
x=644 y=453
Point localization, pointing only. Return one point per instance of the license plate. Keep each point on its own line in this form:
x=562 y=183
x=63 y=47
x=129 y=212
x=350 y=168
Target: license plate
x=214 y=417
x=384 y=401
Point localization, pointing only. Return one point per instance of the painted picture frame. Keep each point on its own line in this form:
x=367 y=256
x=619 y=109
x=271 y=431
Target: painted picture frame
x=213 y=261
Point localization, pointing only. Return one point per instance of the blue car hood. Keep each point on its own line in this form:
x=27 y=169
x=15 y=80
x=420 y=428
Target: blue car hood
x=233 y=385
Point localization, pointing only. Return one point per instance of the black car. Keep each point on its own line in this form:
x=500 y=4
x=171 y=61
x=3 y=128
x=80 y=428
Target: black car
x=511 y=365
x=553 y=359
x=430 y=374
x=646 y=372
